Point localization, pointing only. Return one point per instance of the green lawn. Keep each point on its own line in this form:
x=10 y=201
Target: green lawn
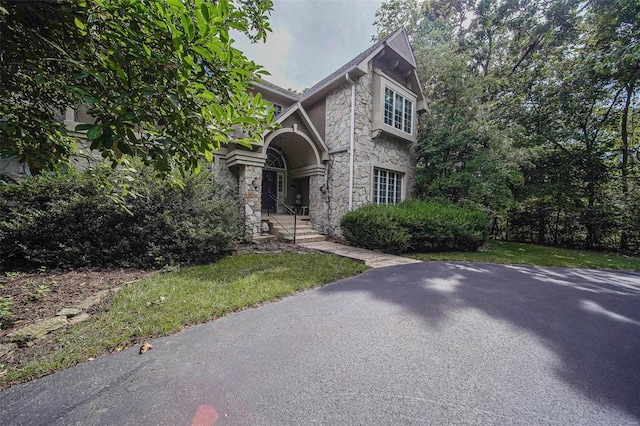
x=168 y=302
x=529 y=254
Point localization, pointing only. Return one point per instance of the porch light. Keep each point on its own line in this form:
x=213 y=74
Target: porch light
x=255 y=183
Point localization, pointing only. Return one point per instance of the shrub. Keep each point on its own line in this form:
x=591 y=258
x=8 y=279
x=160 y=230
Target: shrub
x=6 y=315
x=68 y=221
x=443 y=226
x=419 y=226
x=374 y=227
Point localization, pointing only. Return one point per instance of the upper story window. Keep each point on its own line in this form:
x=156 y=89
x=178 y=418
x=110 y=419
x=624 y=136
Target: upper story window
x=394 y=107
x=277 y=109
x=398 y=111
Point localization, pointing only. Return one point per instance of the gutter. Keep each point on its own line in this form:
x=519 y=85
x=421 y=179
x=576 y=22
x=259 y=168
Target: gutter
x=351 y=138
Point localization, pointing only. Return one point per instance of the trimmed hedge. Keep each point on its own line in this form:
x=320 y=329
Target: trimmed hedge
x=376 y=228
x=68 y=221
x=416 y=226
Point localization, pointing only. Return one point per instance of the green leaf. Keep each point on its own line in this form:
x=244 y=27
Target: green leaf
x=176 y=3
x=204 y=53
x=79 y=24
x=187 y=24
x=82 y=127
x=94 y=132
x=204 y=9
x=207 y=95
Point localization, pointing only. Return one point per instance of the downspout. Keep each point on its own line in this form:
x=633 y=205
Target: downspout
x=351 y=138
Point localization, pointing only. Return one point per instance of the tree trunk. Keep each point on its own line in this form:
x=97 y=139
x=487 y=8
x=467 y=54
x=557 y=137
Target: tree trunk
x=624 y=172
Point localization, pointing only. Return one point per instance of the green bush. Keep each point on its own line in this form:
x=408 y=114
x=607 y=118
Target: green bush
x=375 y=227
x=68 y=221
x=418 y=226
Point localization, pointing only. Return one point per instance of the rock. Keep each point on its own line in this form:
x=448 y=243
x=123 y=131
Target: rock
x=69 y=312
x=35 y=331
x=80 y=318
x=92 y=300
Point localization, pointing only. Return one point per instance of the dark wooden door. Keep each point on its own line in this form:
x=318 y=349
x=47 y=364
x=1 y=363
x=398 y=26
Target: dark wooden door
x=269 y=186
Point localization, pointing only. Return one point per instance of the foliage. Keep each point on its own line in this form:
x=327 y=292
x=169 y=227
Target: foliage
x=533 y=113
x=168 y=302
x=443 y=226
x=65 y=221
x=161 y=79
x=375 y=227
x=415 y=225
x=6 y=315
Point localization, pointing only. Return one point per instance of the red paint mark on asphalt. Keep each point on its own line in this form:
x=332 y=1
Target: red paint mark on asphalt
x=205 y=416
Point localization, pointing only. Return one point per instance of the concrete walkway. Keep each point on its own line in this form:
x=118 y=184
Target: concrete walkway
x=370 y=258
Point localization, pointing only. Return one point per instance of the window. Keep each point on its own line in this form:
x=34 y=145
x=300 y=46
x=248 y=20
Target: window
x=275 y=160
x=387 y=186
x=398 y=111
x=277 y=109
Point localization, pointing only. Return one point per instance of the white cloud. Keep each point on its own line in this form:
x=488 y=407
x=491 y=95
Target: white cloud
x=272 y=55
x=311 y=39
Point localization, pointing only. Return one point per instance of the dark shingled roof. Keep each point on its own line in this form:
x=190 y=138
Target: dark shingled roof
x=339 y=72
x=282 y=90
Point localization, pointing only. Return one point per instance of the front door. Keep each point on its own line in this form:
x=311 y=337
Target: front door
x=269 y=186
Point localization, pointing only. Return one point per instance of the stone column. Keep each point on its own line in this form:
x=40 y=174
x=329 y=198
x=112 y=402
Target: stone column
x=318 y=204
x=252 y=199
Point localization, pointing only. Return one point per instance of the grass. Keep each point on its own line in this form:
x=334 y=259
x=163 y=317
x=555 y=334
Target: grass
x=167 y=303
x=529 y=254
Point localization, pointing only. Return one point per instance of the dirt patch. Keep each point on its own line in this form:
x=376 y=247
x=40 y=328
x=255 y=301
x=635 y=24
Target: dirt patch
x=38 y=296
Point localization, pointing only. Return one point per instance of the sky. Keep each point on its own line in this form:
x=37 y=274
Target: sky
x=311 y=39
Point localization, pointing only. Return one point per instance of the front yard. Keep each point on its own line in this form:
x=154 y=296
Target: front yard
x=160 y=304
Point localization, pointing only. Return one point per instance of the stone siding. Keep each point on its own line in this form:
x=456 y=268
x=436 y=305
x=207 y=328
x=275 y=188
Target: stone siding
x=383 y=151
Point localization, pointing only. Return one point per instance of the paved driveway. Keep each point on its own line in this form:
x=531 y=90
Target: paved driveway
x=433 y=343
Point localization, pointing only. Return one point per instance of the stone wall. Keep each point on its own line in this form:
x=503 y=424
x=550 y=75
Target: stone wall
x=252 y=198
x=383 y=151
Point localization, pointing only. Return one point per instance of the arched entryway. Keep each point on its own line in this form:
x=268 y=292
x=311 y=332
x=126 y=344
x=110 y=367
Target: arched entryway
x=274 y=180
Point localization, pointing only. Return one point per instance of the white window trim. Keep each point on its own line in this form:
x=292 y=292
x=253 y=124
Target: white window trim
x=380 y=82
x=394 y=97
x=404 y=172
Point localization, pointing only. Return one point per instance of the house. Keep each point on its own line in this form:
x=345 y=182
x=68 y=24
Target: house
x=345 y=142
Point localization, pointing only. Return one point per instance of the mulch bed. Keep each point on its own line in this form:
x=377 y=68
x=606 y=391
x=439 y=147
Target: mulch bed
x=40 y=295
x=37 y=296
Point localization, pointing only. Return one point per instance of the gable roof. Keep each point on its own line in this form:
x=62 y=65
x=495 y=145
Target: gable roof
x=398 y=41
x=342 y=70
x=264 y=84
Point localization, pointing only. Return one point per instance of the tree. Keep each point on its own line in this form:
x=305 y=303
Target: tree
x=161 y=78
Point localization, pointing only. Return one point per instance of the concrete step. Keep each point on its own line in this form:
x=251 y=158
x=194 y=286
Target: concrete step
x=282 y=227
x=305 y=238
x=290 y=224
x=284 y=234
x=299 y=228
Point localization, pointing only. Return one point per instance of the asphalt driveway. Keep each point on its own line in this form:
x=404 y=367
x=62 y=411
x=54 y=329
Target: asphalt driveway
x=432 y=343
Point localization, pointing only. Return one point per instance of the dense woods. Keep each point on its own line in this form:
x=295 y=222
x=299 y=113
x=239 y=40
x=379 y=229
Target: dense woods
x=533 y=114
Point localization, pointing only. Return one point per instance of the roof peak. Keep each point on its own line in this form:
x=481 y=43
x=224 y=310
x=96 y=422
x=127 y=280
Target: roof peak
x=353 y=62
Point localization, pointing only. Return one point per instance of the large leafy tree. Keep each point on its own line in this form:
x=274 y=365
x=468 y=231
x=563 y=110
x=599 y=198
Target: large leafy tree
x=531 y=106
x=161 y=79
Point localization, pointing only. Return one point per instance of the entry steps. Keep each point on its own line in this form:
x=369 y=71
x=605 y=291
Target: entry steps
x=281 y=226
